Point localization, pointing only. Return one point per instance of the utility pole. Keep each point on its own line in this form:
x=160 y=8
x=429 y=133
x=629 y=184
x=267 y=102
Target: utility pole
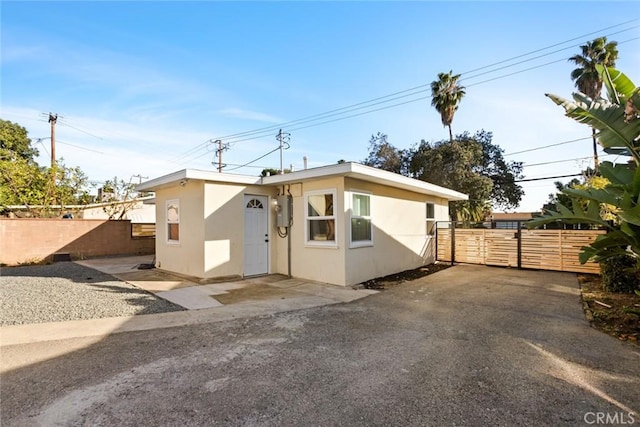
x=221 y=147
x=283 y=138
x=140 y=177
x=53 y=118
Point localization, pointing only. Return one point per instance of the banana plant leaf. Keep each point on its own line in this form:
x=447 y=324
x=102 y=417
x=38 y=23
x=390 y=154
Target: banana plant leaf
x=607 y=118
x=619 y=86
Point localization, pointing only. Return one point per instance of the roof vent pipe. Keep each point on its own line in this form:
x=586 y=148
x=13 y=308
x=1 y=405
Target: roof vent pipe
x=291 y=168
x=304 y=160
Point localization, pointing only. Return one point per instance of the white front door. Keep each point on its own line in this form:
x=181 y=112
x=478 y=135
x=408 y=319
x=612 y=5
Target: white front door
x=256 y=235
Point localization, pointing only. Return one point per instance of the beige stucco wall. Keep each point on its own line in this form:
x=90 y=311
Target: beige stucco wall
x=399 y=232
x=323 y=264
x=224 y=228
x=186 y=257
x=211 y=229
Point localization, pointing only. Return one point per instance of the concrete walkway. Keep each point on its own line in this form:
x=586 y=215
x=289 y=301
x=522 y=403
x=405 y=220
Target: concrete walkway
x=204 y=303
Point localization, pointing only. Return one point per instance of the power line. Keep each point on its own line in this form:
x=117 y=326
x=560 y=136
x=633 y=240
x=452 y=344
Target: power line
x=547 y=146
x=531 y=68
x=248 y=166
x=283 y=139
x=255 y=160
x=43 y=146
x=562 y=161
x=541 y=56
x=369 y=103
x=79 y=147
x=39 y=140
x=547 y=177
x=65 y=123
x=327 y=114
x=413 y=89
x=551 y=46
x=392 y=105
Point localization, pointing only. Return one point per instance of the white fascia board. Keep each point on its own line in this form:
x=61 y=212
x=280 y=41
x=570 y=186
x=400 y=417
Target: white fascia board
x=369 y=174
x=308 y=174
x=195 y=174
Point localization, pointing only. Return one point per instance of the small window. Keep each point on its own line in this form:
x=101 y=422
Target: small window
x=431 y=218
x=255 y=204
x=361 y=220
x=320 y=218
x=173 y=221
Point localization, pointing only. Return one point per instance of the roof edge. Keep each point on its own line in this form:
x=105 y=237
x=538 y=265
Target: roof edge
x=367 y=173
x=196 y=174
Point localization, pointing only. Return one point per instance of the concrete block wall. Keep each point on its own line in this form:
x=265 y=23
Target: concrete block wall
x=26 y=240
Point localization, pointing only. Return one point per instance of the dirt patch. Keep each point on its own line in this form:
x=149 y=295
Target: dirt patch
x=391 y=280
x=253 y=293
x=614 y=313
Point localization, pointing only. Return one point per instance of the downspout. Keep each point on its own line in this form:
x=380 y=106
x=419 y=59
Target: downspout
x=289 y=233
x=289 y=253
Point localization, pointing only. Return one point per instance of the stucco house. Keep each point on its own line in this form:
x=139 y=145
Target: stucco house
x=341 y=224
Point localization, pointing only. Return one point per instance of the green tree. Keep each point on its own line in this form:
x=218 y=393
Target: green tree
x=559 y=198
x=23 y=182
x=71 y=185
x=587 y=78
x=14 y=139
x=472 y=165
x=617 y=122
x=446 y=94
x=273 y=171
x=383 y=155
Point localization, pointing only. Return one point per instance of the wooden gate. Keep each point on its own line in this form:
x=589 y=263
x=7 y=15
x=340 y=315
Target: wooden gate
x=537 y=249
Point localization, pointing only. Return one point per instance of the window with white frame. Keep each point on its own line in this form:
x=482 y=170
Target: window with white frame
x=431 y=218
x=320 y=218
x=361 y=234
x=173 y=221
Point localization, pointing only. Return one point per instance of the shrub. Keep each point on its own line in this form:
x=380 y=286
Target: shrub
x=620 y=274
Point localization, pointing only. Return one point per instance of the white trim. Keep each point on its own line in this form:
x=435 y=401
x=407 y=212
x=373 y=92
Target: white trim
x=185 y=175
x=350 y=169
x=427 y=218
x=360 y=243
x=369 y=174
x=334 y=217
x=167 y=222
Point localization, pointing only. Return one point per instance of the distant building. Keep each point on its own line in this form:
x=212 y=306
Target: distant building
x=509 y=220
x=140 y=210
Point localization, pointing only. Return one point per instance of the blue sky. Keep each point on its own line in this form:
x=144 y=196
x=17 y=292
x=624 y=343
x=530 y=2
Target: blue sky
x=142 y=86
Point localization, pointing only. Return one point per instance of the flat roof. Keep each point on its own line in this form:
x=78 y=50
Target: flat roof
x=349 y=169
x=369 y=174
x=196 y=174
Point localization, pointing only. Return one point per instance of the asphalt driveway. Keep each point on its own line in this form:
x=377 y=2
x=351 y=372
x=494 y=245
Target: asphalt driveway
x=470 y=345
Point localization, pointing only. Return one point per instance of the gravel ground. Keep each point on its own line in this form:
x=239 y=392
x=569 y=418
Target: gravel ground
x=69 y=291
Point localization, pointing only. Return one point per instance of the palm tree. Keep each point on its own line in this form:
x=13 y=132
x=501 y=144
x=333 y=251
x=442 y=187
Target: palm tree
x=586 y=76
x=446 y=94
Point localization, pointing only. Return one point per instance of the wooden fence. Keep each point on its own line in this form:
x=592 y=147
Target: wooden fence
x=537 y=249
